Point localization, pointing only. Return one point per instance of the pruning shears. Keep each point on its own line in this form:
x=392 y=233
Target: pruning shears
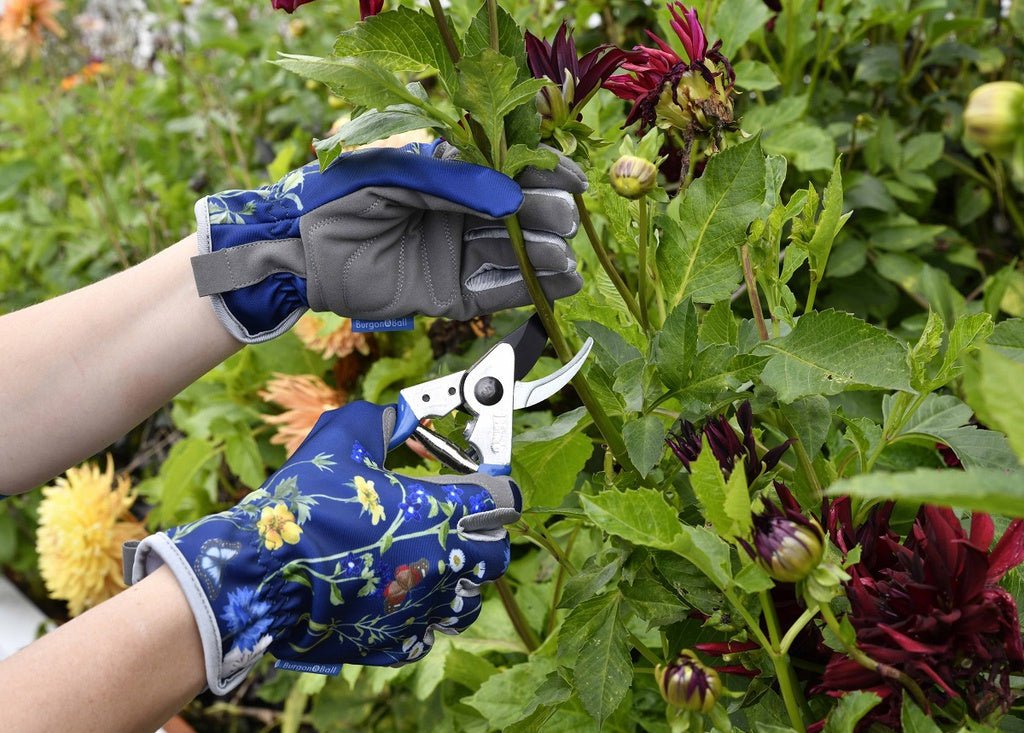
x=489 y=391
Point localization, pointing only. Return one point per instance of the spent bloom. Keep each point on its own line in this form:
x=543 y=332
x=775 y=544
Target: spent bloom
x=22 y=23
x=83 y=521
x=931 y=607
x=305 y=398
x=693 y=95
x=785 y=542
x=688 y=684
x=330 y=336
x=727 y=447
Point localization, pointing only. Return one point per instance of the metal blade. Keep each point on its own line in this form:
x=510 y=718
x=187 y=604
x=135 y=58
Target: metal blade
x=528 y=341
x=526 y=394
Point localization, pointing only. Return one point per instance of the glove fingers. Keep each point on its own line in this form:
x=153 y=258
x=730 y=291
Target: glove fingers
x=459 y=620
x=566 y=175
x=543 y=209
x=488 y=260
x=514 y=294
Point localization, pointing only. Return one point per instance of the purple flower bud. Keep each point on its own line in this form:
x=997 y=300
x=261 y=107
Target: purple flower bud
x=633 y=177
x=786 y=544
x=688 y=684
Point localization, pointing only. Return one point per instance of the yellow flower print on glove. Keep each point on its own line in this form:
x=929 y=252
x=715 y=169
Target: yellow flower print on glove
x=277 y=526
x=369 y=499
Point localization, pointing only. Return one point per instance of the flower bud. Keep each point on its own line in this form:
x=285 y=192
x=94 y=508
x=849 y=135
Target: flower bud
x=786 y=544
x=688 y=684
x=994 y=116
x=297 y=27
x=632 y=177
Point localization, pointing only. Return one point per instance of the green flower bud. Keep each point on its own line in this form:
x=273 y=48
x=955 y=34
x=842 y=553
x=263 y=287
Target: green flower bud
x=994 y=116
x=633 y=177
x=688 y=684
x=787 y=544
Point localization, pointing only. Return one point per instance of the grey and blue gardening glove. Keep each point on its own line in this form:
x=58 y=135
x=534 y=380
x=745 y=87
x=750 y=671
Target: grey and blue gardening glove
x=384 y=234
x=335 y=559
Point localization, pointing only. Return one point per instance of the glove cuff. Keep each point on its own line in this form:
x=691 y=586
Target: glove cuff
x=159 y=549
x=215 y=280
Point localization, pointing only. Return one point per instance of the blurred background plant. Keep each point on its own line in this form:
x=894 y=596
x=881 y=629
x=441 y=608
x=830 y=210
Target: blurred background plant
x=115 y=116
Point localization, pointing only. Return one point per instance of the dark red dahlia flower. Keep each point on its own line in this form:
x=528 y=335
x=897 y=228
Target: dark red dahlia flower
x=930 y=607
x=687 y=443
x=693 y=96
x=576 y=78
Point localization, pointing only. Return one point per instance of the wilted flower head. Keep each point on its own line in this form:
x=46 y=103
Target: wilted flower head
x=330 y=336
x=305 y=398
x=930 y=607
x=22 y=23
x=688 y=684
x=693 y=96
x=83 y=521
x=687 y=443
x=785 y=542
x=994 y=116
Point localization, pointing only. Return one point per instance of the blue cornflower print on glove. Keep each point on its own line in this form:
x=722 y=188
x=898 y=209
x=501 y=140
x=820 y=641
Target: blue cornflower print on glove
x=337 y=560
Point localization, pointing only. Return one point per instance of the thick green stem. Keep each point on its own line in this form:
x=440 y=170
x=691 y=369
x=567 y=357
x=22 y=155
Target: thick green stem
x=445 y=31
x=796 y=628
x=604 y=258
x=645 y=652
x=547 y=316
x=492 y=23
x=515 y=614
x=792 y=696
x=811 y=292
x=642 y=279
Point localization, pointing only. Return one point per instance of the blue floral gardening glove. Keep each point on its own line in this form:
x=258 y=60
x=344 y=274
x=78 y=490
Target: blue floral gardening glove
x=337 y=560
x=383 y=234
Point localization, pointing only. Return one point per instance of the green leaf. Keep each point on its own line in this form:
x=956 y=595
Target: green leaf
x=996 y=397
x=829 y=223
x=945 y=419
x=370 y=127
x=707 y=551
x=520 y=157
x=489 y=92
x=675 y=346
x=753 y=579
x=921 y=355
x=652 y=602
x=500 y=698
x=981 y=489
x=851 y=708
x=1008 y=339
x=755 y=76
x=564 y=424
x=589 y=581
x=183 y=473
x=362 y=82
x=703 y=229
x=602 y=670
x=645 y=442
x=641 y=516
x=401 y=40
x=830 y=352
x=388 y=370
x=510 y=37
x=810 y=417
x=725 y=504
x=921 y=151
x=805 y=144
x=547 y=471
x=736 y=21
x=915 y=720
x=243 y=457
x=719 y=326
x=966 y=335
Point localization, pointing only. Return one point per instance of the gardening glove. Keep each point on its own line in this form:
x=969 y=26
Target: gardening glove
x=335 y=559
x=384 y=234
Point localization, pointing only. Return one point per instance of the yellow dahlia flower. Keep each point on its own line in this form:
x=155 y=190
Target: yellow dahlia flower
x=83 y=520
x=304 y=398
x=277 y=526
x=369 y=499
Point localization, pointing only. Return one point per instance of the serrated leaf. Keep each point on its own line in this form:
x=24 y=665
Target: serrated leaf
x=995 y=395
x=829 y=223
x=703 y=229
x=966 y=335
x=981 y=489
x=753 y=579
x=914 y=720
x=725 y=504
x=547 y=471
x=520 y=157
x=488 y=91
x=244 y=459
x=719 y=326
x=603 y=671
x=707 y=551
x=500 y=698
x=641 y=516
x=830 y=352
x=810 y=417
x=946 y=419
x=400 y=40
x=1008 y=339
x=652 y=602
x=361 y=81
x=645 y=442
x=848 y=712
x=675 y=346
x=370 y=127
x=588 y=582
x=510 y=37
x=922 y=353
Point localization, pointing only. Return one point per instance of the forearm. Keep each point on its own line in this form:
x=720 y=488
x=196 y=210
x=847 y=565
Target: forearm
x=127 y=665
x=84 y=368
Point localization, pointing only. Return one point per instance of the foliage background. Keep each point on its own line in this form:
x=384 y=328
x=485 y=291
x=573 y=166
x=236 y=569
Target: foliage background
x=97 y=176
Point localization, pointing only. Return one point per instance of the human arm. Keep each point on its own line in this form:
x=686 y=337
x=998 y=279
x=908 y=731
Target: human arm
x=83 y=369
x=127 y=665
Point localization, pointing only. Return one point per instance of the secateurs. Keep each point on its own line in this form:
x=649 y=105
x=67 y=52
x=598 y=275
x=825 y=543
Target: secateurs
x=489 y=391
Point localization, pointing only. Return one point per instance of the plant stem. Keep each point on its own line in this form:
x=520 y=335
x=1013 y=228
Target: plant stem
x=788 y=685
x=604 y=258
x=884 y=670
x=515 y=614
x=796 y=628
x=492 y=23
x=547 y=317
x=755 y=299
x=645 y=652
x=811 y=292
x=445 y=31
x=641 y=288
